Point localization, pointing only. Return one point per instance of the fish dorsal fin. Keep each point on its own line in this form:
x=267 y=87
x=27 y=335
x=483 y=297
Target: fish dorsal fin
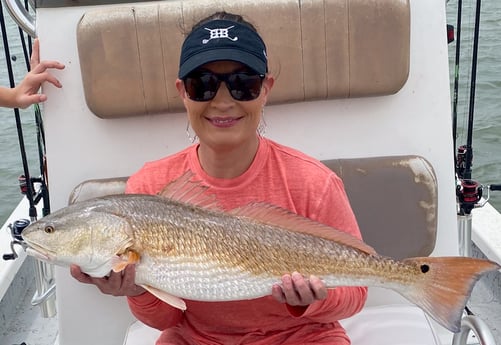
x=189 y=192
x=276 y=216
x=172 y=300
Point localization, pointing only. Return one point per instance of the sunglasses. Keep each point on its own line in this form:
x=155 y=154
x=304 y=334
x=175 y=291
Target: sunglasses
x=202 y=86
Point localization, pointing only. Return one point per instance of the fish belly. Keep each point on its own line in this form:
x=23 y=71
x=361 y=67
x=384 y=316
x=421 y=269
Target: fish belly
x=201 y=279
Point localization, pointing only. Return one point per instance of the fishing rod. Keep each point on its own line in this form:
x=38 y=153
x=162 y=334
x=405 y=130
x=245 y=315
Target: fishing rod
x=473 y=84
x=43 y=272
x=29 y=187
x=469 y=192
x=43 y=192
x=456 y=75
x=26 y=181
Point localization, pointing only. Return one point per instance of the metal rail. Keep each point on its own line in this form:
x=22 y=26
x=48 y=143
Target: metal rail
x=21 y=16
x=45 y=289
x=478 y=327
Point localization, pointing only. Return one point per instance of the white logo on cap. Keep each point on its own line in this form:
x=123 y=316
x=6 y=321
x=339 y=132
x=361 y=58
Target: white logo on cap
x=219 y=33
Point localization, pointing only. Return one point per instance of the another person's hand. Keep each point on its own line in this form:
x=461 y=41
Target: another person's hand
x=298 y=291
x=26 y=92
x=116 y=284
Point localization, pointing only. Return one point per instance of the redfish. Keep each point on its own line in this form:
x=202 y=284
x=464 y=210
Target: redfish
x=185 y=247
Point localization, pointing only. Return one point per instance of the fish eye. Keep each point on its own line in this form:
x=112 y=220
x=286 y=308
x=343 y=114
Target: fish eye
x=49 y=229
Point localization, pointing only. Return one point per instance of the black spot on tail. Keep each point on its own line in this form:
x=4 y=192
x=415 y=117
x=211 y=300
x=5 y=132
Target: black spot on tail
x=425 y=268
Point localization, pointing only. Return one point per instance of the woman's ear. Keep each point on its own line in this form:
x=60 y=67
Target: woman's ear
x=180 y=88
x=267 y=86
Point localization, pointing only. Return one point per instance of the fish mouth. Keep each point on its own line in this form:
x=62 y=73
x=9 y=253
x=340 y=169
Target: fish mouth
x=39 y=252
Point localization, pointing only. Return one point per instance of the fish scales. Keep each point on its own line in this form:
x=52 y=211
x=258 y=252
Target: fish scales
x=237 y=242
x=238 y=248
x=183 y=250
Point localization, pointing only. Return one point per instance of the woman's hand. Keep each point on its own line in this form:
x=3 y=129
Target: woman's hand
x=298 y=291
x=26 y=92
x=116 y=284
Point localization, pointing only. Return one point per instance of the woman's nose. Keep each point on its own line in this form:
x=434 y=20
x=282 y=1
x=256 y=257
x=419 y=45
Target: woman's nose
x=223 y=94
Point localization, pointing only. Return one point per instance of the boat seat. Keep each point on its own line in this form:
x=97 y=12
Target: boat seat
x=327 y=55
x=373 y=185
x=340 y=49
x=408 y=325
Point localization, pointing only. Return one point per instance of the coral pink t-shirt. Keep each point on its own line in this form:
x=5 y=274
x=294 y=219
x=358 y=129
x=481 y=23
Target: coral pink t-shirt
x=283 y=177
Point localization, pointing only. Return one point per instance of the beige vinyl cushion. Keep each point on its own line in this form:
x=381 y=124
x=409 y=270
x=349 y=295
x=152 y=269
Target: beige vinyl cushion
x=395 y=201
x=318 y=49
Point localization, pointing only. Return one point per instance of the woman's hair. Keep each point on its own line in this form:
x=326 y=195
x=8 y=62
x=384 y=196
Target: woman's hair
x=222 y=15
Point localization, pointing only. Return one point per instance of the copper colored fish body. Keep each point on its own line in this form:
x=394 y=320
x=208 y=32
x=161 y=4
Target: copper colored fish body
x=182 y=250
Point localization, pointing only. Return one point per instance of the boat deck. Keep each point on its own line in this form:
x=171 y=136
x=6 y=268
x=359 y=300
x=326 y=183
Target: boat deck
x=22 y=322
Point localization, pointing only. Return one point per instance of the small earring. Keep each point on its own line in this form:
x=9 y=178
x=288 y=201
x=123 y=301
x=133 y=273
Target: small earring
x=261 y=128
x=191 y=138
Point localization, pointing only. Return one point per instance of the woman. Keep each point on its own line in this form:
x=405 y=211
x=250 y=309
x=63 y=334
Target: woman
x=224 y=84
x=26 y=92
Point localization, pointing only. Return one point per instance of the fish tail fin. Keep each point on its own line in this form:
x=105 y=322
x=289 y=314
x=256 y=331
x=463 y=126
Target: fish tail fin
x=445 y=286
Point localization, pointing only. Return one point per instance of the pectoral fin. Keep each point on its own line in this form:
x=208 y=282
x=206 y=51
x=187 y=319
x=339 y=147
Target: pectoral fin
x=119 y=263
x=172 y=300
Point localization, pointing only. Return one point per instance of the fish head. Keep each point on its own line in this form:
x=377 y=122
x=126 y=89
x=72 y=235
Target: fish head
x=85 y=235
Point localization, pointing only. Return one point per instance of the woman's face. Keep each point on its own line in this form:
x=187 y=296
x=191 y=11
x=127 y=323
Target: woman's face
x=223 y=122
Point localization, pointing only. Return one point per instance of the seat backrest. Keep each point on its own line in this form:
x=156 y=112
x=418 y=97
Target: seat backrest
x=374 y=186
x=396 y=195
x=333 y=49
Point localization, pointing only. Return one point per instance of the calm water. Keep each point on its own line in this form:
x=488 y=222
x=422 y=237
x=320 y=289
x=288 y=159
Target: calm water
x=487 y=127
x=487 y=116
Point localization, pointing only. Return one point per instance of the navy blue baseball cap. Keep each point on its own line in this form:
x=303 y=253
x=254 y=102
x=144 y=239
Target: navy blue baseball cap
x=223 y=40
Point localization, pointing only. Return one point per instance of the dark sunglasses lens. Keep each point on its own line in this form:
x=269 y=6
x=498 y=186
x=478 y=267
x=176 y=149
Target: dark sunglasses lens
x=201 y=87
x=244 y=87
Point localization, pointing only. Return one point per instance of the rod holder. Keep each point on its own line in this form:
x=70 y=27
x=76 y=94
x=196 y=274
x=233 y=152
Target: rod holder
x=45 y=289
x=464 y=232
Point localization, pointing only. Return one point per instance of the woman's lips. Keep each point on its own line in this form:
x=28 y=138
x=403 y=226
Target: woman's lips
x=223 y=122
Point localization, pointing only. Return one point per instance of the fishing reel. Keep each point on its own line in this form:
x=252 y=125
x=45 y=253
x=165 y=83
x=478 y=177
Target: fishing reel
x=27 y=188
x=470 y=194
x=17 y=239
